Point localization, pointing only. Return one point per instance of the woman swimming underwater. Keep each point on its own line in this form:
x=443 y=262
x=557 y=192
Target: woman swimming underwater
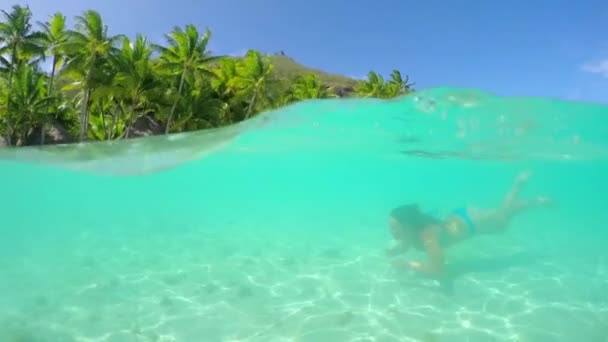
x=409 y=226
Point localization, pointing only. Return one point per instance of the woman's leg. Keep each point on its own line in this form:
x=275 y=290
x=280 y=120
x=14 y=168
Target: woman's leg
x=518 y=185
x=497 y=220
x=512 y=205
x=519 y=206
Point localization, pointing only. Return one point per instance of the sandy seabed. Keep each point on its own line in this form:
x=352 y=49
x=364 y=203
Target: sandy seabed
x=198 y=285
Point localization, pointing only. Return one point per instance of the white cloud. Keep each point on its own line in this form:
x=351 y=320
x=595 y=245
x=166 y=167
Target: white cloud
x=600 y=67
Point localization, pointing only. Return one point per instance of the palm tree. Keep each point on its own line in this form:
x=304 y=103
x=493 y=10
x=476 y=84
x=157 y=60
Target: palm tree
x=372 y=87
x=55 y=37
x=106 y=117
x=89 y=48
x=98 y=88
x=224 y=86
x=397 y=85
x=202 y=110
x=136 y=81
x=186 y=55
x=254 y=79
x=308 y=87
x=29 y=98
x=20 y=44
x=225 y=73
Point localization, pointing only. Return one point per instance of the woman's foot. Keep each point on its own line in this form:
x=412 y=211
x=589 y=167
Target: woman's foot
x=518 y=185
x=523 y=177
x=545 y=201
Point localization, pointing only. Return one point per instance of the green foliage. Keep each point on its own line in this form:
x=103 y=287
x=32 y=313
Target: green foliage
x=19 y=45
x=101 y=86
x=28 y=97
x=308 y=87
x=376 y=86
x=253 y=81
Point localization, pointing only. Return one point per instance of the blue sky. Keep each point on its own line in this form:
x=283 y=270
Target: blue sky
x=550 y=48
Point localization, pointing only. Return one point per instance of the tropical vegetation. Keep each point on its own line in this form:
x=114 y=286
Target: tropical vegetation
x=63 y=84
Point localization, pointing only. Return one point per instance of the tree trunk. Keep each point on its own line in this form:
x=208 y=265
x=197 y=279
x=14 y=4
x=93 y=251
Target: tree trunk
x=117 y=114
x=113 y=126
x=179 y=93
x=9 y=127
x=49 y=93
x=42 y=132
x=251 y=104
x=130 y=121
x=84 y=115
x=104 y=127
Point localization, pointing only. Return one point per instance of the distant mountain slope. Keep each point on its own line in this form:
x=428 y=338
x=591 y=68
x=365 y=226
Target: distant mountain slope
x=286 y=67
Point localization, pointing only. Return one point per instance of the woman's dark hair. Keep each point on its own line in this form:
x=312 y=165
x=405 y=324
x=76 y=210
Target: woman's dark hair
x=413 y=217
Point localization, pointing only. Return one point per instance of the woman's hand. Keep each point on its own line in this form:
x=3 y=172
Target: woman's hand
x=414 y=265
x=411 y=265
x=396 y=249
x=418 y=267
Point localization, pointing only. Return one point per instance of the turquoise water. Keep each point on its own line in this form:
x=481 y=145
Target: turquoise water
x=275 y=229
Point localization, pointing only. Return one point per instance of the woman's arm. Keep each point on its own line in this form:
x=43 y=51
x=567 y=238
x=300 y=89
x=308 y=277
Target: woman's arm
x=430 y=241
x=396 y=249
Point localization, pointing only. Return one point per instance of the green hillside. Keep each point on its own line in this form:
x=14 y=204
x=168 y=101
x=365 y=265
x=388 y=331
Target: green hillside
x=287 y=68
